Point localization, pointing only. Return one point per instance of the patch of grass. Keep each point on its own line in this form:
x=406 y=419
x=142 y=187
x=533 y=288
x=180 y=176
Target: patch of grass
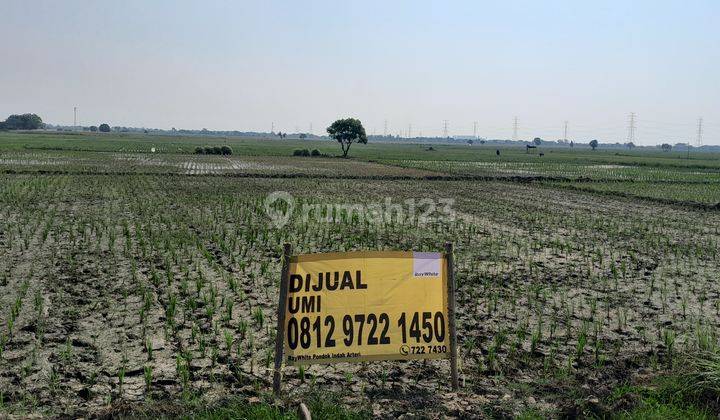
x=321 y=406
x=664 y=411
x=326 y=405
x=531 y=414
x=703 y=372
x=240 y=409
x=669 y=397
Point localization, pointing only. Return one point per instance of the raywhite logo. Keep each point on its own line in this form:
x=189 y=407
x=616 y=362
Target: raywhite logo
x=426 y=264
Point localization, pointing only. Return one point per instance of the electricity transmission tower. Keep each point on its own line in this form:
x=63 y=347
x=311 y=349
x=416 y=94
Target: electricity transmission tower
x=631 y=128
x=74 y=118
x=385 y=129
x=565 y=132
x=445 y=128
x=515 y=128
x=475 y=130
x=409 y=133
x=700 y=132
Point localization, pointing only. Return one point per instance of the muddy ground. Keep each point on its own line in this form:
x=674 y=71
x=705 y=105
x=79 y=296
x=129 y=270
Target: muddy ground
x=122 y=290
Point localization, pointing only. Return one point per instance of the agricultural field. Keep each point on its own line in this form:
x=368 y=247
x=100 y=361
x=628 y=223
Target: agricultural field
x=145 y=284
x=662 y=178
x=68 y=162
x=570 y=169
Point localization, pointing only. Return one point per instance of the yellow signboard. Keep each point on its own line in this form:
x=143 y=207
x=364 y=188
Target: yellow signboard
x=360 y=306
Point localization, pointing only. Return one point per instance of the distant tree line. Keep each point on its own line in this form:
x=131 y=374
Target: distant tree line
x=103 y=128
x=213 y=150
x=22 y=122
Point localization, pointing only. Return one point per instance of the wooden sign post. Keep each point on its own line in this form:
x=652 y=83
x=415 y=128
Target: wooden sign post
x=280 y=337
x=451 y=315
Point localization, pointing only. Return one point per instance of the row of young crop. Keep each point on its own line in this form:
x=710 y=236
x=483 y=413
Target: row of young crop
x=181 y=279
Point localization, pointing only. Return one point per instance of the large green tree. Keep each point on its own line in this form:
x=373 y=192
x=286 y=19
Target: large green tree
x=22 y=122
x=346 y=132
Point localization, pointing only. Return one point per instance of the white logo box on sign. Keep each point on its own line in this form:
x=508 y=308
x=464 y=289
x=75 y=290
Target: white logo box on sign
x=427 y=264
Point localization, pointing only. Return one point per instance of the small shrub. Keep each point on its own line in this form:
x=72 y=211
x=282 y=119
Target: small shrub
x=214 y=150
x=297 y=152
x=315 y=152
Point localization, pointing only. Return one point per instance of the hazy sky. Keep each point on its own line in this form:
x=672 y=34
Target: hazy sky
x=243 y=65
